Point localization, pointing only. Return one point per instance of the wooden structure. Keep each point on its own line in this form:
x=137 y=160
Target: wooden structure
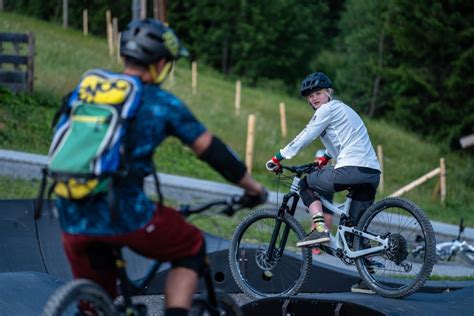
x=17 y=67
x=284 y=130
x=250 y=142
x=194 y=77
x=440 y=188
x=380 y=158
x=238 y=87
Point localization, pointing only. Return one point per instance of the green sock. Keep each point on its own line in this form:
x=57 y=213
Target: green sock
x=318 y=220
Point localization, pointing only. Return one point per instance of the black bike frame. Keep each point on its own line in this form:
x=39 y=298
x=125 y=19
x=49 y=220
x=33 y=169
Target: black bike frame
x=129 y=288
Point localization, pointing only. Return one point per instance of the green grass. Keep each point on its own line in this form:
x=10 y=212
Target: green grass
x=450 y=278
x=63 y=55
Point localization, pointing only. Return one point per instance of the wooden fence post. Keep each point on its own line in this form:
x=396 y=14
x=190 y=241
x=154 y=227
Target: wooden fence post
x=284 y=131
x=238 y=86
x=31 y=61
x=115 y=34
x=85 y=22
x=442 y=181
x=417 y=182
x=380 y=157
x=1 y=5
x=119 y=58
x=143 y=9
x=110 y=40
x=135 y=10
x=16 y=49
x=65 y=13
x=250 y=142
x=16 y=77
x=194 y=76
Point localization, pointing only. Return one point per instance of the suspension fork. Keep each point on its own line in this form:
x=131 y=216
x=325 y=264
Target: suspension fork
x=276 y=231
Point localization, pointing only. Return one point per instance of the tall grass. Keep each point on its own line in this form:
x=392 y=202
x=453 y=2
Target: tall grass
x=63 y=55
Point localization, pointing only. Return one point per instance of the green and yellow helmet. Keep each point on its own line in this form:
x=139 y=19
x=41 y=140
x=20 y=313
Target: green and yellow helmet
x=149 y=40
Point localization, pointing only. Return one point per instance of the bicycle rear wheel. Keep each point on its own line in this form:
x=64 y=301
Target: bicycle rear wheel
x=260 y=273
x=393 y=272
x=226 y=306
x=85 y=293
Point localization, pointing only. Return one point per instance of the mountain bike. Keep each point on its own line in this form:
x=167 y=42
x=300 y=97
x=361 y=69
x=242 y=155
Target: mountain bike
x=449 y=250
x=265 y=261
x=80 y=295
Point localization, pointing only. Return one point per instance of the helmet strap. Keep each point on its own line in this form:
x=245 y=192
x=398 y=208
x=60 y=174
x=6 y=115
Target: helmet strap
x=159 y=78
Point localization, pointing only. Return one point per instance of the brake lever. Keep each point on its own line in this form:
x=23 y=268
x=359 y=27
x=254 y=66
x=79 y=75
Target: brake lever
x=232 y=203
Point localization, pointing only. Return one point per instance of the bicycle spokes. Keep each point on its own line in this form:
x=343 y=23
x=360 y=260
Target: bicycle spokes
x=404 y=264
x=265 y=257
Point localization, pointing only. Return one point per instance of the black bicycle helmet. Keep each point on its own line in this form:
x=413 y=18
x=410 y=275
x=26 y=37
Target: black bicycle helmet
x=313 y=82
x=147 y=41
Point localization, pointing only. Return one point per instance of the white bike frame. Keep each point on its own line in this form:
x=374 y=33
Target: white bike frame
x=339 y=242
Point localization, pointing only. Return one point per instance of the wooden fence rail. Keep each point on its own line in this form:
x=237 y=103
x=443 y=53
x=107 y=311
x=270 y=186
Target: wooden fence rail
x=17 y=79
x=441 y=190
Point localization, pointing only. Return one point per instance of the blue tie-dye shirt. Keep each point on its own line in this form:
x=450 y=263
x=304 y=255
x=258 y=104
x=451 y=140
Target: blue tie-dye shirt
x=160 y=115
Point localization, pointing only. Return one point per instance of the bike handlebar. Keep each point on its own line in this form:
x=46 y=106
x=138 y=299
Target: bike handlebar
x=231 y=205
x=301 y=169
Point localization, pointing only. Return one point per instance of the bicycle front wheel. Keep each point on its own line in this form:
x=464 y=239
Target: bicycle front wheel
x=393 y=272
x=77 y=295
x=262 y=269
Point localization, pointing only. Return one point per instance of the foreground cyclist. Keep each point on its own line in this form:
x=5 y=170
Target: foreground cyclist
x=91 y=231
x=345 y=137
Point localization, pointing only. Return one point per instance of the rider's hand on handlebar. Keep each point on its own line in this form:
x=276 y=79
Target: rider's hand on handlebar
x=273 y=164
x=248 y=200
x=322 y=161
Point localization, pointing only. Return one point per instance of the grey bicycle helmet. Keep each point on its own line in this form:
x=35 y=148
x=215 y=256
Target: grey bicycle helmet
x=149 y=40
x=313 y=82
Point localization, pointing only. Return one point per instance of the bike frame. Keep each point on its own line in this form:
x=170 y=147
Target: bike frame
x=129 y=288
x=338 y=243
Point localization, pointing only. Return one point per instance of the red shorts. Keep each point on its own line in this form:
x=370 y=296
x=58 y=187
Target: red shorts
x=167 y=237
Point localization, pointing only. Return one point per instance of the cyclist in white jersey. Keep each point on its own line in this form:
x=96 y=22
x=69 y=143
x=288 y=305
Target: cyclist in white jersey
x=345 y=137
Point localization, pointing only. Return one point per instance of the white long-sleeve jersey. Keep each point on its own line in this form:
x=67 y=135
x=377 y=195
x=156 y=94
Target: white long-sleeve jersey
x=342 y=132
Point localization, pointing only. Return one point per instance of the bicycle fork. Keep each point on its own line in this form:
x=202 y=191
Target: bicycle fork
x=271 y=255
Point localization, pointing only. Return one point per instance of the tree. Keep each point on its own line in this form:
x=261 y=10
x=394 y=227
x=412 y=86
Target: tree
x=434 y=73
x=275 y=40
x=365 y=50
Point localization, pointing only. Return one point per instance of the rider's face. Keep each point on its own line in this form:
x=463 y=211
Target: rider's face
x=318 y=98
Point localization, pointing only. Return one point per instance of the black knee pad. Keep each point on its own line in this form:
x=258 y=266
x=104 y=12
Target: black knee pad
x=307 y=194
x=197 y=262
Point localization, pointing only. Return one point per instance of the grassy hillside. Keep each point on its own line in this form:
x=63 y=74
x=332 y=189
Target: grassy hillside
x=63 y=55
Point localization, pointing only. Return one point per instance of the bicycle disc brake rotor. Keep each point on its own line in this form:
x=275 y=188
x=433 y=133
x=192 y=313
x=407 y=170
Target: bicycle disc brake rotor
x=397 y=248
x=263 y=262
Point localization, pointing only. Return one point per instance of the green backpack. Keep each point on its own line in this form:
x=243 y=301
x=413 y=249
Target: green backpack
x=87 y=146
